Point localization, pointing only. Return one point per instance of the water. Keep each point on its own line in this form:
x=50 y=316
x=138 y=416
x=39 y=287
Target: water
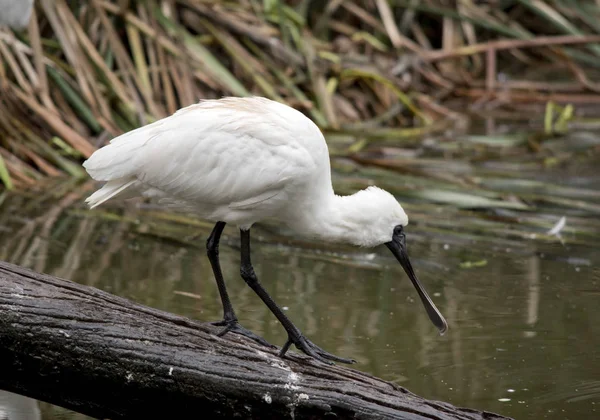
x=523 y=334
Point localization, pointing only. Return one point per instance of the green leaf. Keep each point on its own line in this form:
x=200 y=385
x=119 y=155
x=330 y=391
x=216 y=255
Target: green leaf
x=473 y=264
x=4 y=175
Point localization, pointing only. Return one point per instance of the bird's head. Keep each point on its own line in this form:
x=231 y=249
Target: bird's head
x=378 y=219
x=371 y=217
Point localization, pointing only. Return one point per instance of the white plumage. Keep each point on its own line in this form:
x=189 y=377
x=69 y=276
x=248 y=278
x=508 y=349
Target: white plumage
x=243 y=160
x=15 y=13
x=221 y=155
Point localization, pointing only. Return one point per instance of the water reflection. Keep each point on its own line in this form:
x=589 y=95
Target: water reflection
x=522 y=338
x=17 y=407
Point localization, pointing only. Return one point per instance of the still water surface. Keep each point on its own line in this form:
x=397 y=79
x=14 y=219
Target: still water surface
x=524 y=332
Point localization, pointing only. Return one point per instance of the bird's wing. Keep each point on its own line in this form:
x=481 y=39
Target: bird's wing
x=220 y=156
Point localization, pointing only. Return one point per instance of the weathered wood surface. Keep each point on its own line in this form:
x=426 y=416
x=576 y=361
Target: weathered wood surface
x=104 y=356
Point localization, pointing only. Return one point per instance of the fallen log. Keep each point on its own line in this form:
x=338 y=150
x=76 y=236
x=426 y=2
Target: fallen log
x=104 y=356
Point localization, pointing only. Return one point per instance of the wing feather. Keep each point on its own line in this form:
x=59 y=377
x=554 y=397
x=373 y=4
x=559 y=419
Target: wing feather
x=234 y=151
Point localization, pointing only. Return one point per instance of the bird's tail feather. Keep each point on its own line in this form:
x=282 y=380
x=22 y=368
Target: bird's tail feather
x=108 y=191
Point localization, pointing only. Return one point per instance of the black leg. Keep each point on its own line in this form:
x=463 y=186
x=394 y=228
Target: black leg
x=294 y=335
x=212 y=248
x=230 y=320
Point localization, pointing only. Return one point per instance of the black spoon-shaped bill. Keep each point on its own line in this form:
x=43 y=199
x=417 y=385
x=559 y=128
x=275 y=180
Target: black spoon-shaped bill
x=398 y=247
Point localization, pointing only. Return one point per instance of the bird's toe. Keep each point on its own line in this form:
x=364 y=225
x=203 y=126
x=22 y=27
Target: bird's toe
x=236 y=328
x=311 y=349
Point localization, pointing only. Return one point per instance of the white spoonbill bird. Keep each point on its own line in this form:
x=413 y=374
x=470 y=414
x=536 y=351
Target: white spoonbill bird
x=243 y=160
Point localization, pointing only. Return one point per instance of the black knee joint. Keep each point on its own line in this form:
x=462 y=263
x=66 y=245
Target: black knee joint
x=212 y=248
x=248 y=274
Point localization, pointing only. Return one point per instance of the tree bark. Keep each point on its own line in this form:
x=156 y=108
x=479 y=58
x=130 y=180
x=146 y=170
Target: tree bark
x=107 y=357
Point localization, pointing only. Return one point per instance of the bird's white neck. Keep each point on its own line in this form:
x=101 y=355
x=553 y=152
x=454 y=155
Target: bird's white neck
x=333 y=220
x=366 y=218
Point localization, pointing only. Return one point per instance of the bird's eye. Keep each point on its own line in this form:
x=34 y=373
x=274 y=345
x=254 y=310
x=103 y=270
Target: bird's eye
x=398 y=230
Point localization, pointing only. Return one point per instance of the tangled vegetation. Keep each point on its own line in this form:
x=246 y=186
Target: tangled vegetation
x=86 y=71
x=395 y=85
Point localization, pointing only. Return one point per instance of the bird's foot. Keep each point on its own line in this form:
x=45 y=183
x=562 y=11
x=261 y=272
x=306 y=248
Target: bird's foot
x=308 y=347
x=234 y=327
